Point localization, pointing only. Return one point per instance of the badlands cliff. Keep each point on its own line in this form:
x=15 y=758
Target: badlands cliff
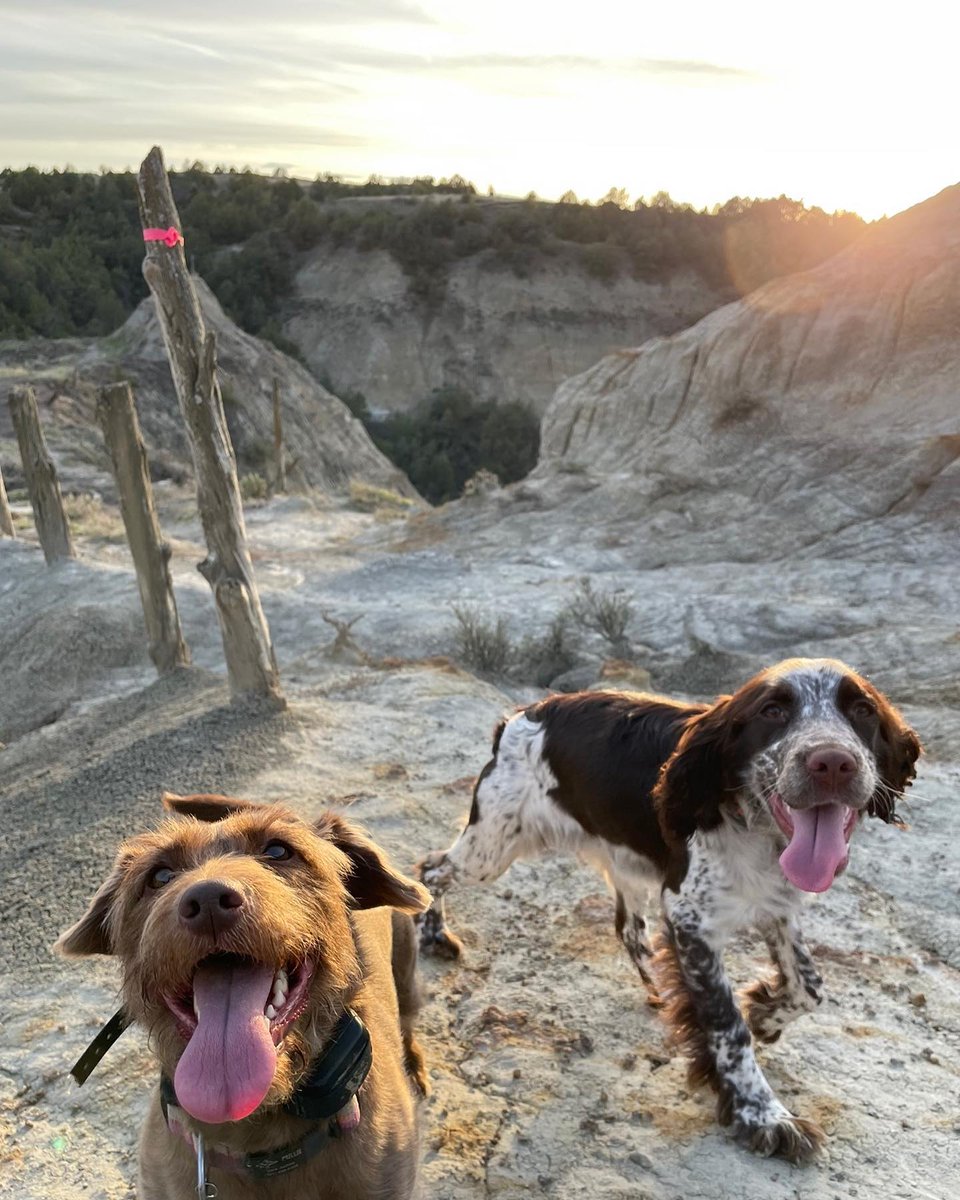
x=819 y=415
x=500 y=336
x=325 y=444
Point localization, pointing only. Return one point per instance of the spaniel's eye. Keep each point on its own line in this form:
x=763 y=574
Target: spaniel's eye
x=862 y=708
x=160 y=877
x=277 y=851
x=774 y=711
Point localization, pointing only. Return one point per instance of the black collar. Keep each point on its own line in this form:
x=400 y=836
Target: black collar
x=335 y=1077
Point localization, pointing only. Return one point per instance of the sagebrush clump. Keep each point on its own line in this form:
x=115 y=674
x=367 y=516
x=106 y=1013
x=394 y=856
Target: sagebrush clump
x=481 y=643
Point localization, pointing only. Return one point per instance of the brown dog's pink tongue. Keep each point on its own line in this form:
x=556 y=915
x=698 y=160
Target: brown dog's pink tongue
x=229 y=1063
x=817 y=849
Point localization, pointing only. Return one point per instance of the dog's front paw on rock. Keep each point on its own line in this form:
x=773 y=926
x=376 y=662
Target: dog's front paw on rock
x=782 y=1136
x=441 y=943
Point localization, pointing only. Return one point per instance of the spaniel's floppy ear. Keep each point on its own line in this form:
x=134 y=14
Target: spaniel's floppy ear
x=204 y=806
x=897 y=762
x=91 y=934
x=690 y=789
x=372 y=882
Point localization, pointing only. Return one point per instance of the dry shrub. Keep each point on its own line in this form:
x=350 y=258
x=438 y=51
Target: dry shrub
x=606 y=613
x=367 y=497
x=253 y=486
x=482 y=644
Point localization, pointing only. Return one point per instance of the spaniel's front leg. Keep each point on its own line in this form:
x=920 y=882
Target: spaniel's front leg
x=770 y=1005
x=706 y=1020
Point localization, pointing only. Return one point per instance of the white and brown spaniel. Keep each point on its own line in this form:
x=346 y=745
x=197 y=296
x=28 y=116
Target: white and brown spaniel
x=735 y=809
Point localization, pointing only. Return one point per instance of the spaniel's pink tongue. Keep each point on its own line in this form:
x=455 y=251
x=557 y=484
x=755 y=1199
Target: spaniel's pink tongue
x=228 y=1065
x=817 y=848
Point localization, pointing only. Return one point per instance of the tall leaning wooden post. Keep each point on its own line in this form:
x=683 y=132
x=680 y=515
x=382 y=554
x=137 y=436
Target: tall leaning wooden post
x=40 y=473
x=280 y=461
x=251 y=664
x=6 y=516
x=117 y=415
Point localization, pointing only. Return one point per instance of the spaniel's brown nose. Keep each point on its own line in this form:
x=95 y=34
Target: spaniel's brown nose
x=210 y=908
x=831 y=768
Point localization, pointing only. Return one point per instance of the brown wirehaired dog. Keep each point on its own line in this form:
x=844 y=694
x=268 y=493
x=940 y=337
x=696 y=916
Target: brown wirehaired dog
x=245 y=937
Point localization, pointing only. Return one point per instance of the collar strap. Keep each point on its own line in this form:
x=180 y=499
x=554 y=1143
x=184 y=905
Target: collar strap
x=99 y=1046
x=266 y=1164
x=335 y=1077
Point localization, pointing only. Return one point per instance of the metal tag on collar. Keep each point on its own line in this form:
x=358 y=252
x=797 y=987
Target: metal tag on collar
x=99 y=1046
x=205 y=1189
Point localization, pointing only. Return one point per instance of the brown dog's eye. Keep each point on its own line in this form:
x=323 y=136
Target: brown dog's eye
x=160 y=877
x=862 y=708
x=774 y=711
x=277 y=851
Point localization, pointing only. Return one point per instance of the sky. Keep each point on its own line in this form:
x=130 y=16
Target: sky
x=843 y=105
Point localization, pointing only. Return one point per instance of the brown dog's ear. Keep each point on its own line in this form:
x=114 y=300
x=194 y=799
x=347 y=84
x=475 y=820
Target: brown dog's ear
x=205 y=806
x=372 y=882
x=897 y=762
x=690 y=789
x=91 y=934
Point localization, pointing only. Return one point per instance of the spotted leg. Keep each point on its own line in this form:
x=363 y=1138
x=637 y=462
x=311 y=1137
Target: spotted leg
x=700 y=1006
x=632 y=931
x=797 y=988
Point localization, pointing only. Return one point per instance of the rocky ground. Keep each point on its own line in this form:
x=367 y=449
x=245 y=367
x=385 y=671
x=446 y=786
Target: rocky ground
x=550 y=1074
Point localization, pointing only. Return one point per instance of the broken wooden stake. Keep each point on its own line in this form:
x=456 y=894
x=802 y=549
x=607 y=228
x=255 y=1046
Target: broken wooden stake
x=117 y=415
x=251 y=664
x=6 y=516
x=40 y=473
x=280 y=484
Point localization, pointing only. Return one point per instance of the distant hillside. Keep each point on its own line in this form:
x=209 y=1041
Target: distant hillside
x=327 y=447
x=818 y=417
x=393 y=290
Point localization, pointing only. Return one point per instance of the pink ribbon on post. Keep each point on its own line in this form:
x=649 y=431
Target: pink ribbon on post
x=169 y=237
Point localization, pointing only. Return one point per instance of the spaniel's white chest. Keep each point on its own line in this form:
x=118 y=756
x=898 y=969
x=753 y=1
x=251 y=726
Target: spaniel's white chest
x=735 y=881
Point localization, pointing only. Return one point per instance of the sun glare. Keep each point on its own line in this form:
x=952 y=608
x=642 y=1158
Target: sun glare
x=834 y=104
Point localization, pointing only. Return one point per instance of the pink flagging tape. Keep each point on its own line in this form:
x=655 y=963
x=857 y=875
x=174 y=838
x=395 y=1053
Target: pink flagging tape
x=169 y=237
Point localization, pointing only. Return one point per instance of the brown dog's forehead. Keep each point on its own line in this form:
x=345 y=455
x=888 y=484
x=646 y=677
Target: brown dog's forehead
x=192 y=841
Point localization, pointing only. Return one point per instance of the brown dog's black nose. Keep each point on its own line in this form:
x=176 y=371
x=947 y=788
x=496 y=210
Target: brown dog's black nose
x=210 y=908
x=831 y=768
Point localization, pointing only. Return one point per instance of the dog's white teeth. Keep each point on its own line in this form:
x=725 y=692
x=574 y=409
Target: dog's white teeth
x=279 y=996
x=271 y=1012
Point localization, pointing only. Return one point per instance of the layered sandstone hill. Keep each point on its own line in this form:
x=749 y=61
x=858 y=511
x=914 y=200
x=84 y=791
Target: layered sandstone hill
x=819 y=416
x=500 y=336
x=325 y=445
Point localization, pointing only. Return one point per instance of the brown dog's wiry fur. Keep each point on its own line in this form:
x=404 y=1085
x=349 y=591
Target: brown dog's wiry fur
x=334 y=901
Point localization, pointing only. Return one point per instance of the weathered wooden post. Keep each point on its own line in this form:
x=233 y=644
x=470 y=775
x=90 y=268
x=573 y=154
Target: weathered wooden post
x=6 y=516
x=280 y=484
x=251 y=664
x=117 y=415
x=41 y=476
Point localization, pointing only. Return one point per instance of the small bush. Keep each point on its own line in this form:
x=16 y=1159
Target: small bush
x=87 y=517
x=545 y=657
x=480 y=643
x=481 y=483
x=367 y=497
x=253 y=486
x=605 y=613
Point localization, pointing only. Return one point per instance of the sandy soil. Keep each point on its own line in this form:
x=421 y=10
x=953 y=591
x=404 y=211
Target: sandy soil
x=551 y=1076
